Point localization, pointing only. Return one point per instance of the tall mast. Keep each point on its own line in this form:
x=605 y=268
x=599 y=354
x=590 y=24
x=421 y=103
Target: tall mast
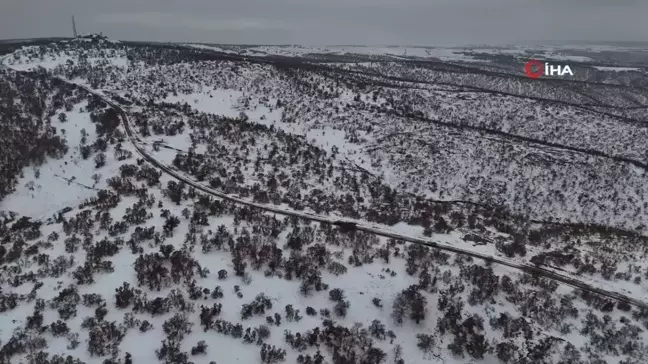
x=74 y=27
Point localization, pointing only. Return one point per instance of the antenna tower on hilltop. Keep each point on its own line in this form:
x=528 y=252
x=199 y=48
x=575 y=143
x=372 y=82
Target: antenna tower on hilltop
x=74 y=27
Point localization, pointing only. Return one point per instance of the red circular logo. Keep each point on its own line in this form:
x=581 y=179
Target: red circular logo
x=528 y=68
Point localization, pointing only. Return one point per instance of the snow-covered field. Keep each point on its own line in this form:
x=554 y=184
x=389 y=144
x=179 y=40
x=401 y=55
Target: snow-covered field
x=61 y=183
x=617 y=69
x=138 y=245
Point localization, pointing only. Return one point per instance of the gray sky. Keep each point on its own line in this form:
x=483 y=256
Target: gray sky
x=424 y=22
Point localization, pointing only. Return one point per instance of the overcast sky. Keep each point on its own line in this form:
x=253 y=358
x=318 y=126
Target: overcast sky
x=312 y=22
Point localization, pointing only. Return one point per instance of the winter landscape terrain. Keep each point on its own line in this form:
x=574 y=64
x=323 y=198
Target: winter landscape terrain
x=203 y=203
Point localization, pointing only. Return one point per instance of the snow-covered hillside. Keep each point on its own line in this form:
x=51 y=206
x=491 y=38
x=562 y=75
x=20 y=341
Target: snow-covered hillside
x=109 y=258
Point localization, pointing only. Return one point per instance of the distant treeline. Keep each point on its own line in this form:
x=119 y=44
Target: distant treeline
x=10 y=45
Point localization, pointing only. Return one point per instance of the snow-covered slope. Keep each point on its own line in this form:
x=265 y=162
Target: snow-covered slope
x=141 y=268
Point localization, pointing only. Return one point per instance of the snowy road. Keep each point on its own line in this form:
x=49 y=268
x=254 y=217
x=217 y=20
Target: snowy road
x=381 y=230
x=350 y=224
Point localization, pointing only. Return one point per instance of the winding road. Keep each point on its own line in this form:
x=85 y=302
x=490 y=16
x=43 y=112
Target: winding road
x=350 y=224
x=362 y=226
